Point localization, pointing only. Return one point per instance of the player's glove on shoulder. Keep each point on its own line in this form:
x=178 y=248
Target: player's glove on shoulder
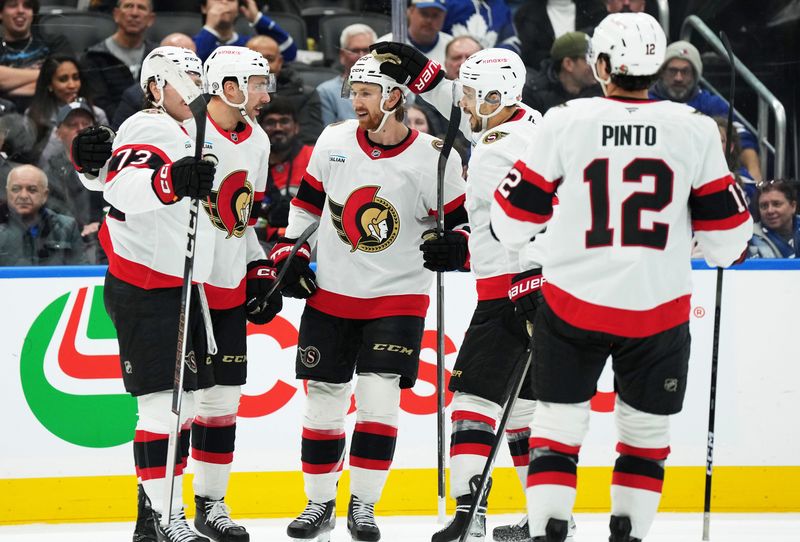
x=91 y=149
x=406 y=65
x=260 y=307
x=186 y=177
x=446 y=253
x=300 y=281
x=526 y=294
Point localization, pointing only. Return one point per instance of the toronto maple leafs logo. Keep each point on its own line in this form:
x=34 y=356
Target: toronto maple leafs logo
x=476 y=28
x=364 y=221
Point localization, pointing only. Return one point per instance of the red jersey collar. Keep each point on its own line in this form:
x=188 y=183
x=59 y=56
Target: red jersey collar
x=233 y=136
x=518 y=114
x=376 y=152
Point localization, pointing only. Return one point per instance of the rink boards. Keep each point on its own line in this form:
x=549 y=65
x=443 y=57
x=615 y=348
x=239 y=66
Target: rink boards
x=66 y=452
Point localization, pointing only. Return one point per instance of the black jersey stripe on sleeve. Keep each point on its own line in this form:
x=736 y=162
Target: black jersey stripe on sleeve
x=310 y=196
x=136 y=156
x=718 y=205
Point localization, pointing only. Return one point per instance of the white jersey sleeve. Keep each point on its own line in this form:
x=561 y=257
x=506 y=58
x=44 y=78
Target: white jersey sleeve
x=307 y=206
x=442 y=97
x=144 y=143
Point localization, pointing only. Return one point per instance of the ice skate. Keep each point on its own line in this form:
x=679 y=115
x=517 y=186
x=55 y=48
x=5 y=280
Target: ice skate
x=620 y=527
x=453 y=530
x=315 y=523
x=520 y=533
x=361 y=521
x=556 y=531
x=213 y=519
x=146 y=520
x=178 y=530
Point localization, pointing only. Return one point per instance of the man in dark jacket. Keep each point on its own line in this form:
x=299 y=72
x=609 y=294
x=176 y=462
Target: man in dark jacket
x=304 y=98
x=30 y=233
x=113 y=64
x=565 y=76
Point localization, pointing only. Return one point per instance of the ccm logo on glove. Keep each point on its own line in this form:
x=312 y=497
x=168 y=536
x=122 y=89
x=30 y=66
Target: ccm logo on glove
x=163 y=177
x=525 y=287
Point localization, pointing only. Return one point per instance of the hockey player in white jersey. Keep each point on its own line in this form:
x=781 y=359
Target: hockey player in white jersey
x=144 y=237
x=634 y=178
x=499 y=125
x=371 y=186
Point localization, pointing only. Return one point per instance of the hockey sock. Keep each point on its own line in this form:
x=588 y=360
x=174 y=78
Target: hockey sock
x=518 y=432
x=322 y=449
x=213 y=439
x=375 y=435
x=150 y=444
x=473 y=423
x=557 y=432
x=639 y=470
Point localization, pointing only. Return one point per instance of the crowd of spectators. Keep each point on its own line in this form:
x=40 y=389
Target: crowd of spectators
x=49 y=92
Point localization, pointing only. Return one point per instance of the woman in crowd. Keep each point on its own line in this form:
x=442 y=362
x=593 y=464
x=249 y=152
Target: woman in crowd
x=61 y=81
x=777 y=233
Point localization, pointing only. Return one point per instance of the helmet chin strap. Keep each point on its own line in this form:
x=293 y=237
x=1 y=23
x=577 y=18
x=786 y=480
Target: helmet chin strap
x=242 y=107
x=603 y=82
x=386 y=115
x=485 y=118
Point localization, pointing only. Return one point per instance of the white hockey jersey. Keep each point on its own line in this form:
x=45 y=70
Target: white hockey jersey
x=633 y=178
x=495 y=152
x=373 y=204
x=146 y=240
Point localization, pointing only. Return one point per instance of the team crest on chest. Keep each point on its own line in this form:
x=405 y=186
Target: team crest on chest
x=230 y=205
x=364 y=221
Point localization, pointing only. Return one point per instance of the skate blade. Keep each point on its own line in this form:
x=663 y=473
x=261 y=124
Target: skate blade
x=322 y=537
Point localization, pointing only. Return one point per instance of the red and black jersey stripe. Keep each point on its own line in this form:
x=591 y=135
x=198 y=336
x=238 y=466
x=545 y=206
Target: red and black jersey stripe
x=525 y=195
x=322 y=450
x=310 y=196
x=136 y=156
x=213 y=442
x=640 y=468
x=455 y=213
x=552 y=463
x=718 y=205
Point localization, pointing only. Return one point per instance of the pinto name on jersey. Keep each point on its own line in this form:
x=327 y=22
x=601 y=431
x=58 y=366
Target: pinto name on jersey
x=627 y=135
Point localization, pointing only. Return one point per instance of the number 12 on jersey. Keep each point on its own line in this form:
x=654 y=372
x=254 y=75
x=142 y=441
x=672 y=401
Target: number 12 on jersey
x=601 y=234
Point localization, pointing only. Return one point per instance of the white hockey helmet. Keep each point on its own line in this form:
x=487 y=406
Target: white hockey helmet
x=634 y=42
x=367 y=69
x=494 y=70
x=238 y=62
x=184 y=58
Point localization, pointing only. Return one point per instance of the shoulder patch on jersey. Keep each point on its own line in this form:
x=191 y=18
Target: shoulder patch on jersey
x=337 y=123
x=438 y=144
x=491 y=137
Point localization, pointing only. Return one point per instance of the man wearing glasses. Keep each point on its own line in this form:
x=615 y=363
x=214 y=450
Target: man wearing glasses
x=353 y=44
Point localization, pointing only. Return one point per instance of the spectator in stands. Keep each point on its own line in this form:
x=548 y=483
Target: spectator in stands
x=354 y=43
x=458 y=50
x=30 y=233
x=679 y=81
x=565 y=75
x=305 y=99
x=219 y=18
x=16 y=139
x=777 y=233
x=61 y=81
x=288 y=160
x=66 y=194
x=490 y=21
x=23 y=51
x=540 y=22
x=425 y=20
x=417 y=119
x=734 y=151
x=114 y=63
x=133 y=97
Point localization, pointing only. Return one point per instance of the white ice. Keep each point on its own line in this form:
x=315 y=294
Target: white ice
x=591 y=528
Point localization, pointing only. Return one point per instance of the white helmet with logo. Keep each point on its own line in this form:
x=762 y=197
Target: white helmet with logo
x=240 y=63
x=367 y=69
x=634 y=42
x=184 y=58
x=492 y=71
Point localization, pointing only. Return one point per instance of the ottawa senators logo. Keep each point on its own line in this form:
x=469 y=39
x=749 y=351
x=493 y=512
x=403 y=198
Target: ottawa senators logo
x=230 y=205
x=365 y=221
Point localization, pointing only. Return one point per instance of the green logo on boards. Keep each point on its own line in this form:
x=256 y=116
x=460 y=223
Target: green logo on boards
x=84 y=419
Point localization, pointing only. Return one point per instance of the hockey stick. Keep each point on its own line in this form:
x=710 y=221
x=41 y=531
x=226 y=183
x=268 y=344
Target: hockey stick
x=297 y=244
x=517 y=380
x=712 y=403
x=447 y=146
x=193 y=96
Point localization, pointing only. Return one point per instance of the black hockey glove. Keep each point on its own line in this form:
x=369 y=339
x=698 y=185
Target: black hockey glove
x=186 y=177
x=408 y=66
x=91 y=149
x=260 y=278
x=300 y=281
x=447 y=253
x=278 y=212
x=526 y=294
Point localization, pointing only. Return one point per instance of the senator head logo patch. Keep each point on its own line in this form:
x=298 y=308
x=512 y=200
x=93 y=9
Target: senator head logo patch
x=229 y=206
x=491 y=137
x=364 y=221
